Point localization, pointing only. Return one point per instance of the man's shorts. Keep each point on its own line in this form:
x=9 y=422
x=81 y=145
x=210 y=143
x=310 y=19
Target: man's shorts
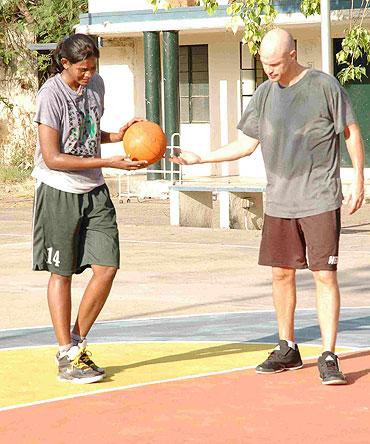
x=309 y=242
x=74 y=231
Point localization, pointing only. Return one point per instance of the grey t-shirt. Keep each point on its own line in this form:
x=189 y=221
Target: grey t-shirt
x=77 y=118
x=298 y=128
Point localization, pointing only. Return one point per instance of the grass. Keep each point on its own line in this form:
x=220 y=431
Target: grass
x=11 y=174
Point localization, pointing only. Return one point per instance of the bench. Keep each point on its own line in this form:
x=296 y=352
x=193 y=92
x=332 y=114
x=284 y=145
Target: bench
x=240 y=206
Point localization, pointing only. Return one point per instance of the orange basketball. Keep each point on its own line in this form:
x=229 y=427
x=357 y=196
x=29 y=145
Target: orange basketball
x=145 y=141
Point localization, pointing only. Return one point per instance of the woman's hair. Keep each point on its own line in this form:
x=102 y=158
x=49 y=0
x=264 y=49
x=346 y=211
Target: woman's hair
x=75 y=48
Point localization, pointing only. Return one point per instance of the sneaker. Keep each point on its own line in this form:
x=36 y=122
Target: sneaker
x=85 y=357
x=72 y=369
x=329 y=369
x=281 y=358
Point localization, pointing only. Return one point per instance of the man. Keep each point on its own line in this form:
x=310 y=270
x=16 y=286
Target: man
x=297 y=116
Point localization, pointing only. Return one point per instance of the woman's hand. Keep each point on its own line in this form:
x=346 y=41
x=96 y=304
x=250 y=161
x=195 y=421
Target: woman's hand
x=124 y=163
x=127 y=125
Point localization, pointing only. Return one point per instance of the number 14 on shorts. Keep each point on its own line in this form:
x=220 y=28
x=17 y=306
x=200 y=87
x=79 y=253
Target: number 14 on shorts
x=53 y=257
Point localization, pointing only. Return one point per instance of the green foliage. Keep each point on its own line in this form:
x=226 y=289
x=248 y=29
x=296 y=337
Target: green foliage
x=47 y=20
x=54 y=19
x=6 y=103
x=356 y=44
x=256 y=18
x=310 y=7
x=12 y=174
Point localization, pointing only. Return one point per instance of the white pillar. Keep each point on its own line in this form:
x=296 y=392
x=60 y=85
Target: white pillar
x=224 y=200
x=326 y=41
x=224 y=123
x=174 y=207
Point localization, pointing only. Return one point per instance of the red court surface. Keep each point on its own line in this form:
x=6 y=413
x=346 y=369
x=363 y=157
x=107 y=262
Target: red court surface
x=236 y=407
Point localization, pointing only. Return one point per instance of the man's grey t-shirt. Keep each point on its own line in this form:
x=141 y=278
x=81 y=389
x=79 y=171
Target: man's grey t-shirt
x=298 y=128
x=76 y=116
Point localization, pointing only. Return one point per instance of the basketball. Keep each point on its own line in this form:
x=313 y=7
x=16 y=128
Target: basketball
x=145 y=141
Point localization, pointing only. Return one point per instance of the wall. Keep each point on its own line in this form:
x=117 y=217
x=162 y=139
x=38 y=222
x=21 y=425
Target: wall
x=117 y=5
x=17 y=129
x=122 y=66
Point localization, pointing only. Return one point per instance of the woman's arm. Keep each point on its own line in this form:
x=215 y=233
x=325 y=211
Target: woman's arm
x=55 y=160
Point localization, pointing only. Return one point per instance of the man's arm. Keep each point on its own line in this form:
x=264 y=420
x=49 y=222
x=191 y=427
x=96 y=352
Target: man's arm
x=355 y=149
x=55 y=160
x=233 y=151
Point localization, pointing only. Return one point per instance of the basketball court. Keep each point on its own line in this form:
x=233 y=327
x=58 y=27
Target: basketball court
x=188 y=319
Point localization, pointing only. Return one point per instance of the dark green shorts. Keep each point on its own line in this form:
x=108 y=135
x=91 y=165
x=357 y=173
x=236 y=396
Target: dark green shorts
x=74 y=231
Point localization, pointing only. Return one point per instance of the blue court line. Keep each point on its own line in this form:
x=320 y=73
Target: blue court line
x=254 y=327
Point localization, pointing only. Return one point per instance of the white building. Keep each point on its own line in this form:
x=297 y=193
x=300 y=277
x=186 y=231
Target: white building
x=222 y=73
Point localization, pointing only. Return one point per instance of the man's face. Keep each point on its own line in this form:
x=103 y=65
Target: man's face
x=276 y=66
x=80 y=73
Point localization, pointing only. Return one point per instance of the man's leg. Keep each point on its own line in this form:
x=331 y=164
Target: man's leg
x=286 y=355
x=322 y=232
x=94 y=298
x=328 y=305
x=59 y=300
x=284 y=296
x=283 y=248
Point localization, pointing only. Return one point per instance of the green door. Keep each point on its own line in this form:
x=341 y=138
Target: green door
x=359 y=93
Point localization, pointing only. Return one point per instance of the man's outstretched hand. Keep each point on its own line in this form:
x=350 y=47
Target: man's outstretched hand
x=182 y=157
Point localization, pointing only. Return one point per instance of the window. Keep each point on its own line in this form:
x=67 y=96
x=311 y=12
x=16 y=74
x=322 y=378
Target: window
x=251 y=74
x=194 y=84
x=359 y=93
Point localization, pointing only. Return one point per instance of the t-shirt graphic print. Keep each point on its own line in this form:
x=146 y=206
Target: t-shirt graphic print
x=84 y=129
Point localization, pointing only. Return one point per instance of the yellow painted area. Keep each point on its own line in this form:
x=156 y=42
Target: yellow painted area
x=29 y=375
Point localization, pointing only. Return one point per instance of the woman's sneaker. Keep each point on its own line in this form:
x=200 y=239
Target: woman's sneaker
x=72 y=369
x=329 y=369
x=281 y=358
x=85 y=357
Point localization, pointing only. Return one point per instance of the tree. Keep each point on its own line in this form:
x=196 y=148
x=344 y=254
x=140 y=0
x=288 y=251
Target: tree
x=257 y=17
x=23 y=22
x=41 y=21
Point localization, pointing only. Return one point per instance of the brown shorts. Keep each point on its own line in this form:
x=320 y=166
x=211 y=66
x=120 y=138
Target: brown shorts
x=309 y=242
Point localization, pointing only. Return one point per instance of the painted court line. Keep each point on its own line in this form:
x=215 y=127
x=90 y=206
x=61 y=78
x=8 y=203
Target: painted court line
x=192 y=315
x=179 y=341
x=182 y=316
x=149 y=341
x=132 y=386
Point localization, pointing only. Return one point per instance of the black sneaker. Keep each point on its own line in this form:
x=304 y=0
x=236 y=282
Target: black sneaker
x=329 y=369
x=281 y=358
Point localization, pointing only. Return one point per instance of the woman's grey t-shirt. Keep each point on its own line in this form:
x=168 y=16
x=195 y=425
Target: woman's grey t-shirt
x=298 y=128
x=76 y=116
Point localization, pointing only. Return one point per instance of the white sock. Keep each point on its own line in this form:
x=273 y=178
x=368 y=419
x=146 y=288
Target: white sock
x=291 y=344
x=63 y=349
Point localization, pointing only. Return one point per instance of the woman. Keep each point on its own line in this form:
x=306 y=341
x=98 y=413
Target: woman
x=74 y=218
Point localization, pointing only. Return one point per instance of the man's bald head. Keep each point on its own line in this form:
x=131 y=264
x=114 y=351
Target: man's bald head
x=278 y=56
x=276 y=43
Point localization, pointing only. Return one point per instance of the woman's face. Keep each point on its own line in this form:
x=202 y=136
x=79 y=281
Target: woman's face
x=79 y=73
